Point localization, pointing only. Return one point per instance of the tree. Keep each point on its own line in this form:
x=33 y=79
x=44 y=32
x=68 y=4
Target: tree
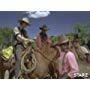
x=81 y=31
x=54 y=39
x=5 y=36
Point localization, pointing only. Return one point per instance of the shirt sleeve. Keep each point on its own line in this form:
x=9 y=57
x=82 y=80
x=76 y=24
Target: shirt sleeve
x=73 y=65
x=16 y=31
x=18 y=36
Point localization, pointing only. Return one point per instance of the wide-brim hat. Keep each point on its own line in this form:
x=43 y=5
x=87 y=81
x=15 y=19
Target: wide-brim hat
x=85 y=50
x=76 y=38
x=44 y=27
x=26 y=20
x=62 y=40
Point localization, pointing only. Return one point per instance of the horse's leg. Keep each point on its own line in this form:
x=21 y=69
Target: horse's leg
x=6 y=75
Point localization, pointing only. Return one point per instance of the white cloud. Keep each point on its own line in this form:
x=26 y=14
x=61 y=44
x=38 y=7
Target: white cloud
x=37 y=14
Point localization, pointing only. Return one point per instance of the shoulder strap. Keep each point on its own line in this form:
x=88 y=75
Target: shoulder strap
x=63 y=61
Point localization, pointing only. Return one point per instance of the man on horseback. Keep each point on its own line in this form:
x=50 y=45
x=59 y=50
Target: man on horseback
x=43 y=38
x=81 y=52
x=21 y=42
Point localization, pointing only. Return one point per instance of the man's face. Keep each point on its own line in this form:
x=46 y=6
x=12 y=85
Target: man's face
x=24 y=25
x=65 y=47
x=75 y=44
x=44 y=31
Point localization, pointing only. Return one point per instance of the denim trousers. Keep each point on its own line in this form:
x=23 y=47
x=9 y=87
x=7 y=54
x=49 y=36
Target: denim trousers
x=18 y=52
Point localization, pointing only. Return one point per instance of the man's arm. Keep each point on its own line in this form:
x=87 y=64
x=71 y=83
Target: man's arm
x=18 y=35
x=73 y=65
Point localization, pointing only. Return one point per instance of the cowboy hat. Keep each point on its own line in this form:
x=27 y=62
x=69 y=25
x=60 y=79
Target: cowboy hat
x=76 y=38
x=63 y=40
x=44 y=27
x=25 y=19
x=84 y=50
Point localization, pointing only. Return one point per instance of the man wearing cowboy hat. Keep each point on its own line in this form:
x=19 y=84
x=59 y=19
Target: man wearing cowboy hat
x=21 y=41
x=69 y=64
x=43 y=38
x=81 y=52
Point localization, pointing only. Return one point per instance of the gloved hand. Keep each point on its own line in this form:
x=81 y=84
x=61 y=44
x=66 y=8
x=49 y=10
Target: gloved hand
x=28 y=42
x=31 y=40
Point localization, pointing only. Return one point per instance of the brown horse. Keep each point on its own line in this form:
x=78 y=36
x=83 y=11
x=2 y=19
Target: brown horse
x=6 y=68
x=39 y=66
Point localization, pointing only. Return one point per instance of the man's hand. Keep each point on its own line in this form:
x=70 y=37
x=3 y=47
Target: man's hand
x=31 y=40
x=28 y=42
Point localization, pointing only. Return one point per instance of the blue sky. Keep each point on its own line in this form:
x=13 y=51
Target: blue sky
x=58 y=22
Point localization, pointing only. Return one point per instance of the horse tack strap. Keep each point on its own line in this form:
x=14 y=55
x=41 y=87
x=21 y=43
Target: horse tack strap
x=43 y=55
x=63 y=61
x=26 y=50
x=23 y=68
